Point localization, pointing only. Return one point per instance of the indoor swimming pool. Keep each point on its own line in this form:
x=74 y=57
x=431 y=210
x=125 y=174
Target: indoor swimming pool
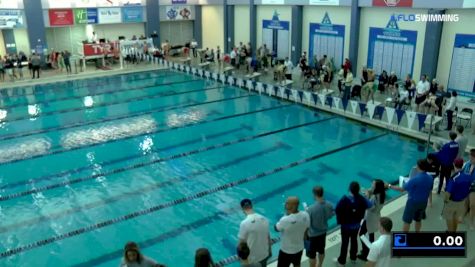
x=163 y=158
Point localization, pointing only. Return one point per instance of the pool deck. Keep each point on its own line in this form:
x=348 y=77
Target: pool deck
x=394 y=209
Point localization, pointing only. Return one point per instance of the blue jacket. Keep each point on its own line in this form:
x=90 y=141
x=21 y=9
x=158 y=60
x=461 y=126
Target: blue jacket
x=448 y=153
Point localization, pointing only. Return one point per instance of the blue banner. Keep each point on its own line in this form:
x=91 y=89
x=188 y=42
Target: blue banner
x=327 y=39
x=392 y=49
x=462 y=68
x=132 y=14
x=91 y=15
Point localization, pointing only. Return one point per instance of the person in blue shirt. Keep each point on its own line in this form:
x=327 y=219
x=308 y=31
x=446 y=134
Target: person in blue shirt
x=446 y=156
x=349 y=211
x=469 y=168
x=418 y=190
x=456 y=193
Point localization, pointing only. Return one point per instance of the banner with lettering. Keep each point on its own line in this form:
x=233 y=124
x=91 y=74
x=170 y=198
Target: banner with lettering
x=110 y=49
x=61 y=17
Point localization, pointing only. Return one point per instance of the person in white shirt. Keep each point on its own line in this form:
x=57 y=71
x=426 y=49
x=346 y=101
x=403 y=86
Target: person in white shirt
x=194 y=45
x=461 y=140
x=449 y=109
x=233 y=56
x=348 y=84
x=422 y=89
x=293 y=228
x=380 y=251
x=289 y=68
x=254 y=231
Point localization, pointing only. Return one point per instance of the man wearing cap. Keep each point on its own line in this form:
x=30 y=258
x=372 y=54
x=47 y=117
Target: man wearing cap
x=254 y=230
x=456 y=193
x=446 y=156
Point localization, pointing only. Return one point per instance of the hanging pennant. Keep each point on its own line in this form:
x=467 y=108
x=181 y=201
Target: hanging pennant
x=249 y=85
x=371 y=107
x=379 y=112
x=344 y=103
x=411 y=118
x=308 y=96
x=336 y=101
x=214 y=76
x=281 y=92
x=329 y=101
x=222 y=78
x=239 y=82
x=362 y=108
x=422 y=119
x=354 y=105
x=315 y=98
x=287 y=92
x=399 y=114
x=295 y=95
x=259 y=87
x=321 y=97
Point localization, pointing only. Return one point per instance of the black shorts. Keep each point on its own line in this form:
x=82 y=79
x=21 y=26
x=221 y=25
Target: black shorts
x=420 y=99
x=285 y=260
x=288 y=76
x=316 y=245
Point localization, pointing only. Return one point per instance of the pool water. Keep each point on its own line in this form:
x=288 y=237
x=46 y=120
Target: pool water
x=163 y=159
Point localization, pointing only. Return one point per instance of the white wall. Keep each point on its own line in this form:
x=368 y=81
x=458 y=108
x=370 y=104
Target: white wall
x=379 y=17
x=21 y=40
x=113 y=31
x=266 y=12
x=464 y=25
x=338 y=15
x=212 y=24
x=242 y=22
x=66 y=38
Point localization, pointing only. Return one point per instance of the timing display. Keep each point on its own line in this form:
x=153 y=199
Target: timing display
x=429 y=244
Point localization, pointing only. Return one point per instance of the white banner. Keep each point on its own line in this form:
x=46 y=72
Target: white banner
x=324 y=2
x=281 y=92
x=354 y=106
x=240 y=82
x=322 y=99
x=178 y=12
x=272 y=2
x=336 y=102
x=390 y=113
x=137 y=45
x=249 y=85
x=411 y=117
x=295 y=94
x=270 y=89
x=308 y=96
x=259 y=87
x=231 y=80
x=109 y=15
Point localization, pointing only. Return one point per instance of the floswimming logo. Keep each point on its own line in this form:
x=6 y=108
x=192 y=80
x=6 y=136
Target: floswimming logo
x=426 y=17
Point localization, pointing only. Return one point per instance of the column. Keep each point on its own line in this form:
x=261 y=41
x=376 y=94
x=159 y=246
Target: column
x=35 y=25
x=197 y=26
x=354 y=34
x=296 y=33
x=152 y=26
x=228 y=27
x=253 y=25
x=430 y=55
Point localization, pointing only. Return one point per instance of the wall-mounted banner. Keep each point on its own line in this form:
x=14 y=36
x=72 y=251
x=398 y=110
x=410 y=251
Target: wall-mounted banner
x=392 y=49
x=178 y=12
x=11 y=18
x=132 y=14
x=178 y=2
x=275 y=34
x=462 y=69
x=324 y=2
x=139 y=45
x=273 y=2
x=85 y=16
x=8 y=4
x=393 y=3
x=111 y=49
x=327 y=39
x=110 y=15
x=61 y=17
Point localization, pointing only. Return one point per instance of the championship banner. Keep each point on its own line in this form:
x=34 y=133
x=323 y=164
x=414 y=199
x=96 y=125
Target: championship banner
x=110 y=49
x=85 y=15
x=11 y=19
x=110 y=15
x=61 y=17
x=138 y=45
x=132 y=14
x=178 y=12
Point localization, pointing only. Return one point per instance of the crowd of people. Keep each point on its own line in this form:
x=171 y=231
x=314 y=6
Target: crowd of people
x=357 y=213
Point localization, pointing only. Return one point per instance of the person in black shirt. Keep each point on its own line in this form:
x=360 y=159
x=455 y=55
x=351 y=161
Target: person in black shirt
x=392 y=80
x=433 y=86
x=364 y=76
x=383 y=81
x=433 y=169
x=440 y=100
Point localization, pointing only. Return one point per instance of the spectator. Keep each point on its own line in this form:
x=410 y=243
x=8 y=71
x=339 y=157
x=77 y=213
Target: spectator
x=233 y=56
x=293 y=227
x=194 y=46
x=350 y=210
x=347 y=65
x=60 y=59
x=402 y=97
x=380 y=252
x=450 y=108
x=433 y=169
x=254 y=232
x=456 y=193
x=203 y=258
x=469 y=168
x=383 y=80
x=327 y=76
x=434 y=86
x=441 y=94
x=364 y=76
x=422 y=89
x=133 y=257
x=243 y=254
x=446 y=156
x=320 y=212
x=392 y=80
x=341 y=79
x=348 y=84
x=67 y=61
x=418 y=190
x=35 y=65
x=410 y=86
x=289 y=68
x=218 y=53
x=461 y=140
x=377 y=196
